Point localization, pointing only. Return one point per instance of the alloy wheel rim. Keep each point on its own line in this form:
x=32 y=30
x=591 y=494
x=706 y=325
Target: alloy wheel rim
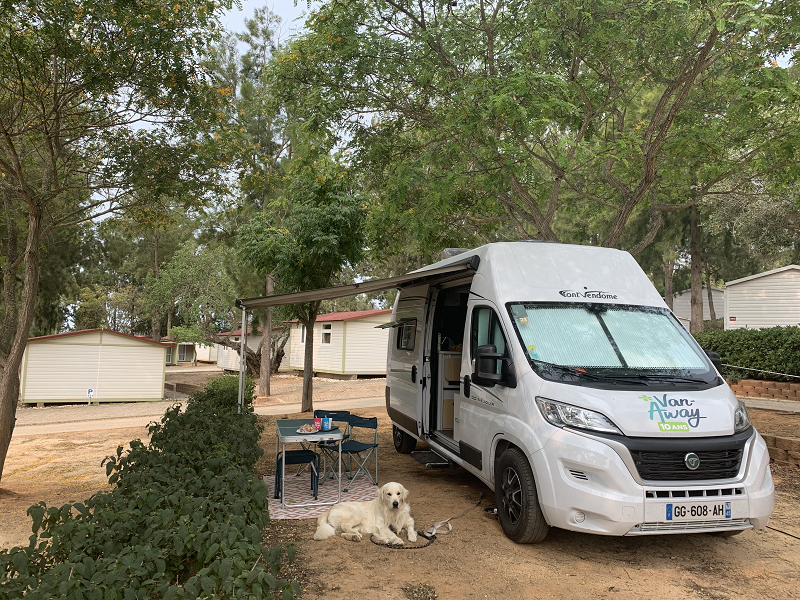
x=511 y=488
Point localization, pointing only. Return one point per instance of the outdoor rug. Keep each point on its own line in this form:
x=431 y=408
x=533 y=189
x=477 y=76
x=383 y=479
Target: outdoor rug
x=298 y=489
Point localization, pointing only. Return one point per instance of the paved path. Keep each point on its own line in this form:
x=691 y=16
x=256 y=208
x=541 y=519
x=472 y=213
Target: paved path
x=141 y=414
x=771 y=404
x=200 y=368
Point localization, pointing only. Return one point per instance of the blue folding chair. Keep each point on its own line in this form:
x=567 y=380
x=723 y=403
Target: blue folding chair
x=362 y=450
x=297 y=457
x=328 y=449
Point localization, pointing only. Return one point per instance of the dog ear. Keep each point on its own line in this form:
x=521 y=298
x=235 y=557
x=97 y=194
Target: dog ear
x=405 y=492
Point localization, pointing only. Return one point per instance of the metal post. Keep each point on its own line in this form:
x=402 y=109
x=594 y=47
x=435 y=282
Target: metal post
x=242 y=358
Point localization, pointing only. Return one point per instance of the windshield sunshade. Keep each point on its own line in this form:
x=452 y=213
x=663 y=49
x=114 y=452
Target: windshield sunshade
x=629 y=339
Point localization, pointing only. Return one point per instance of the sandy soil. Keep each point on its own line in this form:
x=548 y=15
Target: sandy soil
x=782 y=423
x=55 y=468
x=477 y=561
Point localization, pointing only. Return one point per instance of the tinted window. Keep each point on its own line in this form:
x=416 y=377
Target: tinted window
x=486 y=330
x=406 y=335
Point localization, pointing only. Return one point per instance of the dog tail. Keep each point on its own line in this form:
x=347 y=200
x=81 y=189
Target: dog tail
x=324 y=529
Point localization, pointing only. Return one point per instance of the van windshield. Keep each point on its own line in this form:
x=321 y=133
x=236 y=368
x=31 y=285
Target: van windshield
x=608 y=343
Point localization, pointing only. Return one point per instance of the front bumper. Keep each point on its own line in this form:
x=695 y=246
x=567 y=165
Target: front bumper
x=585 y=484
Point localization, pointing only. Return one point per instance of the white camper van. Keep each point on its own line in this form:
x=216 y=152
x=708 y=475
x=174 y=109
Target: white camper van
x=557 y=375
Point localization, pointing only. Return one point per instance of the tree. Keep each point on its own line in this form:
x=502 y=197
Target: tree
x=95 y=100
x=322 y=233
x=258 y=141
x=528 y=113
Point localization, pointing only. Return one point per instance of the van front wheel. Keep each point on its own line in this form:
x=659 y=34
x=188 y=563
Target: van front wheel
x=517 y=501
x=403 y=442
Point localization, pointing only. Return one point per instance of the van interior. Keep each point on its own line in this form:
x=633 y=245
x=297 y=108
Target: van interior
x=446 y=345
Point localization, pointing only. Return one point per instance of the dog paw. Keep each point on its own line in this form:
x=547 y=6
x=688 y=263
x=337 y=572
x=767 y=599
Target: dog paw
x=412 y=536
x=397 y=542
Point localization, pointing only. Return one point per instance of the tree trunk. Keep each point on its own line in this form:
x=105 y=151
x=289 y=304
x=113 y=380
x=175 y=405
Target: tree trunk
x=169 y=322
x=696 y=323
x=277 y=356
x=266 y=347
x=308 y=364
x=156 y=317
x=711 y=312
x=11 y=358
x=669 y=271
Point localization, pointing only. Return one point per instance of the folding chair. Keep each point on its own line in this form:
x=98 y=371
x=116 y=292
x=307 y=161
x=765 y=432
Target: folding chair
x=297 y=457
x=330 y=450
x=360 y=451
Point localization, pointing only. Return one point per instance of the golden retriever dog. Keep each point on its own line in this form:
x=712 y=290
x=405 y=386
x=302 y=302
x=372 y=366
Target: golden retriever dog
x=385 y=517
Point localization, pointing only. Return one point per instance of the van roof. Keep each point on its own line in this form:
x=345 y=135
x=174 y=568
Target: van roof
x=536 y=272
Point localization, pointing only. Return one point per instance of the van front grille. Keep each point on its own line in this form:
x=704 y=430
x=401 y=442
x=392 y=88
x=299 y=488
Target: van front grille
x=670 y=466
x=690 y=526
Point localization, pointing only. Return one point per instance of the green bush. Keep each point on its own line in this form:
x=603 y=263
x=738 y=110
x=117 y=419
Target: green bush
x=774 y=349
x=184 y=520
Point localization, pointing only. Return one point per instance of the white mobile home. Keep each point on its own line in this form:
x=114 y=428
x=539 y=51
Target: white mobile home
x=682 y=303
x=93 y=365
x=189 y=352
x=345 y=343
x=766 y=299
x=228 y=358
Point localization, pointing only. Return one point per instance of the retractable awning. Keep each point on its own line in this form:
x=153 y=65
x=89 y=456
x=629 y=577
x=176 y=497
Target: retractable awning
x=452 y=271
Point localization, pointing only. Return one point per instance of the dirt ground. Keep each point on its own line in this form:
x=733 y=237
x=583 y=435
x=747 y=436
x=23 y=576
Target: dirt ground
x=782 y=423
x=477 y=561
x=56 y=468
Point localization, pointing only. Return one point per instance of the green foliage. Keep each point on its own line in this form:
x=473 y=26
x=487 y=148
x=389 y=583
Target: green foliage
x=195 y=281
x=187 y=333
x=185 y=518
x=322 y=233
x=773 y=349
x=554 y=119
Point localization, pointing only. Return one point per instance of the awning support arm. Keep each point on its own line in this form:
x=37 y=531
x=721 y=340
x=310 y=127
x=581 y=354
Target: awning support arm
x=242 y=358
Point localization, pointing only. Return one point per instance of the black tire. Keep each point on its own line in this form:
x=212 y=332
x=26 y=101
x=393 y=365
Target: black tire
x=403 y=443
x=518 y=507
x=727 y=534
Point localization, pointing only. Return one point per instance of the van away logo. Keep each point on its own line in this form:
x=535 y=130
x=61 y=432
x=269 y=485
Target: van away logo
x=595 y=294
x=669 y=409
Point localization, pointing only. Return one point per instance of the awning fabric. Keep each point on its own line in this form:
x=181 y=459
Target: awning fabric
x=469 y=264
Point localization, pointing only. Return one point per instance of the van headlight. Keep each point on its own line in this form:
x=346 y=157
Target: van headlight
x=566 y=415
x=741 y=420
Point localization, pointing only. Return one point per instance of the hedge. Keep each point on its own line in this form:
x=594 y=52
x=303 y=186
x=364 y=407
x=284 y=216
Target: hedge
x=184 y=520
x=773 y=349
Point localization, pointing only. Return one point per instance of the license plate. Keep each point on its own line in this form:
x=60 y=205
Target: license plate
x=698 y=512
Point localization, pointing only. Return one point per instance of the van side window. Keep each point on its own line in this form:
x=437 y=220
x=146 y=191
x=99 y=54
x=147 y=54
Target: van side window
x=406 y=335
x=486 y=330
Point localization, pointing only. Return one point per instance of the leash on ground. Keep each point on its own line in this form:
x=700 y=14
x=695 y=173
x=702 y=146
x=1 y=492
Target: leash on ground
x=783 y=532
x=430 y=533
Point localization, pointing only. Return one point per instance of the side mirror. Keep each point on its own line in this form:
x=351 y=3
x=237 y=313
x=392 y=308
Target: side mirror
x=486 y=358
x=715 y=359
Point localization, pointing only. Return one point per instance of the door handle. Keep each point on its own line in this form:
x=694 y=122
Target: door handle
x=466 y=385
x=414 y=374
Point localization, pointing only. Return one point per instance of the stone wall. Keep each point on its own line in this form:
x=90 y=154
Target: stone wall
x=754 y=388
x=783 y=449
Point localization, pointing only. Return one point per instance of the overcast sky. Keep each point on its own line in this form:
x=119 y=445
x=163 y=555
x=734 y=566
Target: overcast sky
x=289 y=13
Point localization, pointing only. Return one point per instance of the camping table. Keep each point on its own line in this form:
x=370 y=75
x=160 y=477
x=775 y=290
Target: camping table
x=287 y=434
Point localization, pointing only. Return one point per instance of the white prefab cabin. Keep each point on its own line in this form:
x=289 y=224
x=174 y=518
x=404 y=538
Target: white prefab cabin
x=766 y=299
x=682 y=303
x=205 y=352
x=345 y=343
x=187 y=352
x=93 y=365
x=228 y=358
